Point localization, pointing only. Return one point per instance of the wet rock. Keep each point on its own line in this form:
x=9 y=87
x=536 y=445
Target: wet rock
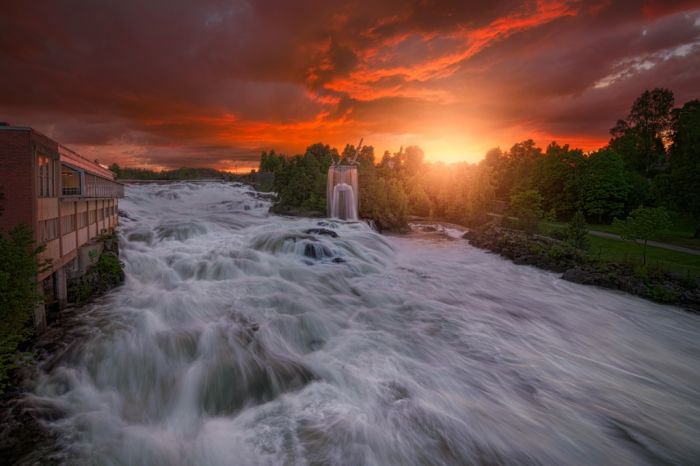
x=396 y=391
x=179 y=231
x=140 y=237
x=253 y=377
x=23 y=438
x=321 y=231
x=316 y=251
x=577 y=275
x=124 y=215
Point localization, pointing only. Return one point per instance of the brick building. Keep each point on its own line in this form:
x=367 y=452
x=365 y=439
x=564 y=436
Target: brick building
x=65 y=199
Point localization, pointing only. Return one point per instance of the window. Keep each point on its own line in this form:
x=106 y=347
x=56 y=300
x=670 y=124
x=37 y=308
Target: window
x=68 y=223
x=48 y=230
x=82 y=219
x=45 y=172
x=70 y=180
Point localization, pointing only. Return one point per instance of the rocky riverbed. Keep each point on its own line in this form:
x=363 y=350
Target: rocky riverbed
x=557 y=256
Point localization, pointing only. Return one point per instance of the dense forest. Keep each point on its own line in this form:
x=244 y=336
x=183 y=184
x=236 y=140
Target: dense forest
x=651 y=160
x=125 y=173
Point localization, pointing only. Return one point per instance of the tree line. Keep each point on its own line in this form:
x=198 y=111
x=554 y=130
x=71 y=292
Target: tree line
x=651 y=160
x=184 y=173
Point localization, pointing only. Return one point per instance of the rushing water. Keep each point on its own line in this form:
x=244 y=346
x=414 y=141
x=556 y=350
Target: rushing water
x=240 y=339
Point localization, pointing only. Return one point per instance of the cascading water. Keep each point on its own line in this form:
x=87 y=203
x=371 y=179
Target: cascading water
x=342 y=193
x=241 y=338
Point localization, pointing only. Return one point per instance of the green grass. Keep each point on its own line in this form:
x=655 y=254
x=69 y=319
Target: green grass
x=618 y=250
x=680 y=233
x=614 y=250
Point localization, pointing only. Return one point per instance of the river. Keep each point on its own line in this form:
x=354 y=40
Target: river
x=241 y=338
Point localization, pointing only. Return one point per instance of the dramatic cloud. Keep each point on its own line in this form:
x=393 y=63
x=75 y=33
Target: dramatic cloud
x=167 y=83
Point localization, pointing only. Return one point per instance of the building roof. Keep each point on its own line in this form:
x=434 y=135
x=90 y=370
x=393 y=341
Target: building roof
x=67 y=155
x=78 y=161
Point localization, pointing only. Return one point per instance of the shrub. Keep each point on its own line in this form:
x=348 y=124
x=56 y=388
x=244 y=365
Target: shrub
x=18 y=295
x=577 y=232
x=109 y=269
x=662 y=294
x=641 y=272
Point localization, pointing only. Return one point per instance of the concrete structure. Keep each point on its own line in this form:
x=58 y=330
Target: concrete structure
x=65 y=199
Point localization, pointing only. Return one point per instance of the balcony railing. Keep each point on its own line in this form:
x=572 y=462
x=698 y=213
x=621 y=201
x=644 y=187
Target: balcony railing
x=74 y=191
x=94 y=187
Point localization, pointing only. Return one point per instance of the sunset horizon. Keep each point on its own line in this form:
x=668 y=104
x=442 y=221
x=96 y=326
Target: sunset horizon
x=214 y=84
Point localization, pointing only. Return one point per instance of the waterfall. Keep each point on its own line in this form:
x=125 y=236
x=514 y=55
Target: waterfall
x=342 y=193
x=245 y=338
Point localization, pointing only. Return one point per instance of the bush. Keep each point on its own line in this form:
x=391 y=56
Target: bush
x=18 y=295
x=110 y=270
x=663 y=294
x=559 y=251
x=577 y=232
x=641 y=272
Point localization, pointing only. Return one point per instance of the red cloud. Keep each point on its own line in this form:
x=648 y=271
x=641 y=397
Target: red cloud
x=213 y=83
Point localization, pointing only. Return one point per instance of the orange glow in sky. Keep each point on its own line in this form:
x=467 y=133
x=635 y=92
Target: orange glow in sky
x=214 y=84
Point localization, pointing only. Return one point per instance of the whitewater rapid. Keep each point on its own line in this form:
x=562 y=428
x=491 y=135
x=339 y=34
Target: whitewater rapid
x=244 y=338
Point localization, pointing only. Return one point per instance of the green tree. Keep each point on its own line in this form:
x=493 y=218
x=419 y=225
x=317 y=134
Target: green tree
x=116 y=169
x=684 y=177
x=511 y=171
x=602 y=188
x=419 y=202
x=18 y=294
x=271 y=162
x=577 y=231
x=300 y=181
x=413 y=159
x=527 y=206
x=643 y=224
x=496 y=163
x=640 y=138
x=555 y=177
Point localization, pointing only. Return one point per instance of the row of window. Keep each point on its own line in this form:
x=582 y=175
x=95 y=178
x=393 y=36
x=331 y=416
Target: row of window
x=48 y=229
x=73 y=182
x=100 y=187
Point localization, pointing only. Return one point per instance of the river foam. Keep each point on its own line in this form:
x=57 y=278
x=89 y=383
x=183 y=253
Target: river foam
x=245 y=338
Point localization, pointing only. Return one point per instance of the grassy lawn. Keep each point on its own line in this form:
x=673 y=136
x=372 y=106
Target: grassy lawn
x=680 y=233
x=624 y=251
x=615 y=250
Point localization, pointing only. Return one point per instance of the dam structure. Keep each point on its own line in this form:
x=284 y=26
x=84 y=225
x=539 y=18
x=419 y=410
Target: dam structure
x=342 y=192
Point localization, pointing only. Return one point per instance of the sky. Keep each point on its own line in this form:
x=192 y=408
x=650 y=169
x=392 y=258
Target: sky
x=170 y=83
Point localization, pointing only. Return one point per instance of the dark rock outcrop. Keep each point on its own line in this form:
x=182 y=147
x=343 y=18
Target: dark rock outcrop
x=539 y=251
x=321 y=231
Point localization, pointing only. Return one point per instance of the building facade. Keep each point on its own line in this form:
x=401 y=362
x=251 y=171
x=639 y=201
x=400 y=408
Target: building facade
x=67 y=200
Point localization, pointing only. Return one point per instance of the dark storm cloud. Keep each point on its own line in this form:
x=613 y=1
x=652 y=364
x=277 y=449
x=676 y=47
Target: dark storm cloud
x=209 y=82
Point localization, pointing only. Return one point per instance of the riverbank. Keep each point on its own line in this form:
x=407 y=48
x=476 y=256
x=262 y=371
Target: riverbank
x=575 y=266
x=24 y=439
